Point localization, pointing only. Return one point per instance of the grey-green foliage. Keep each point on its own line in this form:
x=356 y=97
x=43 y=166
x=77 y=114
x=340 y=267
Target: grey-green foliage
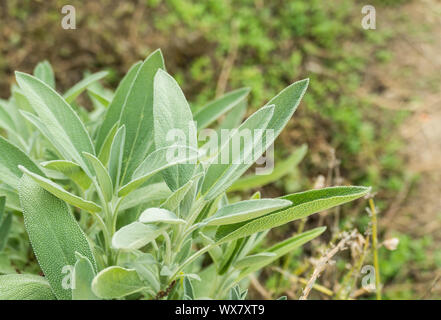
x=109 y=215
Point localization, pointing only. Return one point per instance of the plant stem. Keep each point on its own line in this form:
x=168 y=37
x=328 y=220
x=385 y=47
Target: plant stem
x=375 y=248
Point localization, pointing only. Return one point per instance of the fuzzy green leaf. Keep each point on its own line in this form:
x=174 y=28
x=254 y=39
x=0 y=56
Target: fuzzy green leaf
x=113 y=113
x=116 y=154
x=24 y=287
x=116 y=282
x=54 y=234
x=157 y=161
x=83 y=276
x=137 y=115
x=134 y=236
x=61 y=122
x=245 y=210
x=172 y=112
x=10 y=158
x=281 y=169
x=303 y=205
x=213 y=110
x=45 y=73
x=71 y=170
x=59 y=192
x=102 y=176
x=155 y=215
x=221 y=173
x=78 y=88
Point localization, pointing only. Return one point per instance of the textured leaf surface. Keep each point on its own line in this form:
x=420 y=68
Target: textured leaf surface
x=156 y=162
x=303 y=205
x=172 y=112
x=54 y=234
x=24 y=287
x=245 y=210
x=155 y=215
x=10 y=158
x=102 y=175
x=221 y=173
x=83 y=276
x=213 y=110
x=61 y=122
x=281 y=169
x=45 y=73
x=116 y=282
x=113 y=113
x=137 y=115
x=59 y=192
x=70 y=170
x=134 y=236
x=78 y=88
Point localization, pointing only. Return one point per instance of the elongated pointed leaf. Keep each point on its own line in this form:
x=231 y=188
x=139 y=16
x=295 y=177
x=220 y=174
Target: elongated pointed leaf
x=245 y=210
x=175 y=199
x=156 y=215
x=280 y=170
x=137 y=115
x=59 y=192
x=116 y=282
x=113 y=113
x=24 y=287
x=303 y=205
x=116 y=156
x=61 y=122
x=45 y=73
x=157 y=161
x=151 y=192
x=5 y=223
x=213 y=110
x=77 y=89
x=173 y=123
x=71 y=170
x=104 y=180
x=54 y=234
x=104 y=153
x=10 y=158
x=283 y=248
x=83 y=276
x=12 y=201
x=221 y=175
x=134 y=236
x=251 y=260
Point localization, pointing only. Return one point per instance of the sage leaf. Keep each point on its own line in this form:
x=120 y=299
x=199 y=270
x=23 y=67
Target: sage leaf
x=10 y=158
x=45 y=73
x=157 y=161
x=116 y=156
x=114 y=110
x=78 y=88
x=71 y=170
x=172 y=115
x=61 y=122
x=83 y=276
x=102 y=176
x=59 y=192
x=253 y=259
x=221 y=175
x=213 y=110
x=137 y=115
x=303 y=205
x=54 y=234
x=135 y=235
x=280 y=170
x=24 y=287
x=155 y=215
x=245 y=210
x=116 y=282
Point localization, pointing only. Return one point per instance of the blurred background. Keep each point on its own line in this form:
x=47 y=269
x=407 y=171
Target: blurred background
x=371 y=115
